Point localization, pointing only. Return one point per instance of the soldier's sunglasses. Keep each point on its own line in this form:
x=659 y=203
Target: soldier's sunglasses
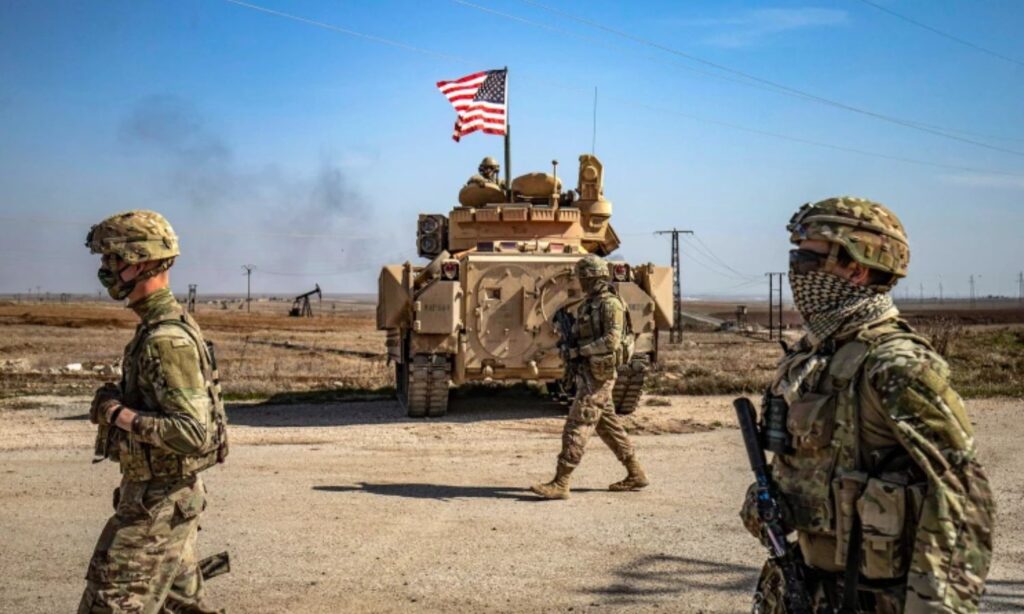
x=805 y=261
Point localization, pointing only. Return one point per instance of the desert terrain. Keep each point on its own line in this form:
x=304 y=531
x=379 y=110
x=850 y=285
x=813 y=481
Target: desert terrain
x=333 y=501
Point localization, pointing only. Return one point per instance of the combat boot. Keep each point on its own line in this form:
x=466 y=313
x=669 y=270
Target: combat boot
x=635 y=480
x=558 y=488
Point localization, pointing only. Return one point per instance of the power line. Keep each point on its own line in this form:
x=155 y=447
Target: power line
x=629 y=101
x=771 y=303
x=676 y=335
x=327 y=26
x=248 y=268
x=914 y=125
x=947 y=35
x=711 y=254
x=710 y=266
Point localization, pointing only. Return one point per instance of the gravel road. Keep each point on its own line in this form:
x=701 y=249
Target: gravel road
x=354 y=508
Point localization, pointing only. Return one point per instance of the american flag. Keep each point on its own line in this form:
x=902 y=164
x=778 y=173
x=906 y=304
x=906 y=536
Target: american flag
x=479 y=101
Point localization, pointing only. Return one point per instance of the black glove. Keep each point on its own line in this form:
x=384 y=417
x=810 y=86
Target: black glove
x=107 y=396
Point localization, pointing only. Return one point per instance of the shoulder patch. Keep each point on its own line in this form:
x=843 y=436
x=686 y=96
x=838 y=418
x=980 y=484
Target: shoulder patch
x=177 y=361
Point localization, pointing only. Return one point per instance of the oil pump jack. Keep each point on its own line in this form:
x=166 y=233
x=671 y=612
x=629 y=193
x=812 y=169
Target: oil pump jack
x=301 y=307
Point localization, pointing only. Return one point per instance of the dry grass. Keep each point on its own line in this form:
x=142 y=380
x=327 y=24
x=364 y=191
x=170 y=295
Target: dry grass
x=260 y=355
x=715 y=363
x=339 y=354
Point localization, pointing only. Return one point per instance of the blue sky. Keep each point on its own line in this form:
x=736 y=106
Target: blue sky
x=308 y=151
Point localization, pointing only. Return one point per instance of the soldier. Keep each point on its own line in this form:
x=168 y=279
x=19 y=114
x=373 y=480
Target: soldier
x=487 y=173
x=598 y=344
x=164 y=424
x=874 y=456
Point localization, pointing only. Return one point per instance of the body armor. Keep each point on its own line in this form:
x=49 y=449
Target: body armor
x=142 y=461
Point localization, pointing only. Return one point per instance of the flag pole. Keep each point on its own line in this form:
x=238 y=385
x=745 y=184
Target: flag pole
x=508 y=143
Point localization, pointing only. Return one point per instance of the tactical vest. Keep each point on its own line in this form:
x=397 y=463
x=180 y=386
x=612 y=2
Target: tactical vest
x=142 y=461
x=590 y=327
x=828 y=482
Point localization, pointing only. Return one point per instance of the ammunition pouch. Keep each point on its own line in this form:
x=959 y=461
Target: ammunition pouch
x=602 y=366
x=885 y=523
x=773 y=426
x=811 y=420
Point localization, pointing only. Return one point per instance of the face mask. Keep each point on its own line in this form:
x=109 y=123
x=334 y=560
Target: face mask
x=117 y=288
x=828 y=302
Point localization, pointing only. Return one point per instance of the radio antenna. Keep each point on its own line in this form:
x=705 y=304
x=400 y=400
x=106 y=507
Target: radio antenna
x=593 y=140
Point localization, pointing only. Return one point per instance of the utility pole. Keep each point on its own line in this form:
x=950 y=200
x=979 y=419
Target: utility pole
x=972 y=290
x=190 y=303
x=248 y=268
x=1020 y=287
x=772 y=294
x=922 y=293
x=941 y=298
x=677 y=289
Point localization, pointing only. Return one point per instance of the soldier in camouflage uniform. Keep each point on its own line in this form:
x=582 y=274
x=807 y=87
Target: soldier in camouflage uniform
x=597 y=335
x=874 y=456
x=487 y=173
x=164 y=423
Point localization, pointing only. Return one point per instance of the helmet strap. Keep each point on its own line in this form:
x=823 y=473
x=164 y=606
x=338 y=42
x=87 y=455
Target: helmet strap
x=833 y=259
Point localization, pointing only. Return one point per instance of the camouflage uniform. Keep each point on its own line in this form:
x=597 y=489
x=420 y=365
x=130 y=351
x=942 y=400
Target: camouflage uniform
x=145 y=560
x=881 y=450
x=487 y=174
x=598 y=332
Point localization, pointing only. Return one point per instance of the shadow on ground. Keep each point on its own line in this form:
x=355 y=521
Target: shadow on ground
x=471 y=405
x=653 y=578
x=443 y=492
x=1003 y=596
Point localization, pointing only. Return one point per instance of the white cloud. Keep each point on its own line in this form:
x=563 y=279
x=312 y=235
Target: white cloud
x=752 y=27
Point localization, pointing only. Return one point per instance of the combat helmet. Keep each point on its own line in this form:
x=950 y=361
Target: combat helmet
x=592 y=266
x=488 y=164
x=869 y=232
x=133 y=237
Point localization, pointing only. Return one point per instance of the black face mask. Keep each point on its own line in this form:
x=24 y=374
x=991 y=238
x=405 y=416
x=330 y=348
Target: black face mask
x=117 y=288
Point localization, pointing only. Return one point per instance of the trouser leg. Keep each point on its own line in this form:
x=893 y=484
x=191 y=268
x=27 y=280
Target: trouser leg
x=613 y=434
x=147 y=549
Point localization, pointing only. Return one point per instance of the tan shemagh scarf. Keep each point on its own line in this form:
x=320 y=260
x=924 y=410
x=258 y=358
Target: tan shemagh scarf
x=831 y=304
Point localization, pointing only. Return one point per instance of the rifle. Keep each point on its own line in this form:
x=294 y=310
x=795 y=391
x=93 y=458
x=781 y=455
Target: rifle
x=785 y=554
x=564 y=321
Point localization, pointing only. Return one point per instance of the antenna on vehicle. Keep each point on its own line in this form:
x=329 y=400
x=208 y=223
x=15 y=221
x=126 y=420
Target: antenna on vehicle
x=593 y=138
x=557 y=194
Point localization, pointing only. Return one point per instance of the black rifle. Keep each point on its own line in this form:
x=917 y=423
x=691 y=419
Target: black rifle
x=785 y=554
x=563 y=321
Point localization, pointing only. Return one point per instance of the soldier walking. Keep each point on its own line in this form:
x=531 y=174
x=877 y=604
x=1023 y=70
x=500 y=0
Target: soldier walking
x=596 y=343
x=164 y=423
x=874 y=457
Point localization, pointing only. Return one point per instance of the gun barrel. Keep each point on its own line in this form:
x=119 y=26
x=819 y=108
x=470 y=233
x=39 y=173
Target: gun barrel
x=746 y=416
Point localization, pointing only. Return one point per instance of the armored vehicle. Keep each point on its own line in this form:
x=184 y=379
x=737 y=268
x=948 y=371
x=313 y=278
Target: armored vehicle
x=501 y=265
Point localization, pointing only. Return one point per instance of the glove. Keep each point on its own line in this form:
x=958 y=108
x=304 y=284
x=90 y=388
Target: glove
x=752 y=520
x=748 y=514
x=106 y=398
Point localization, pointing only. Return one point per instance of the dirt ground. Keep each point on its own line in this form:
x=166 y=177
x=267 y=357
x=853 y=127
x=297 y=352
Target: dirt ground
x=354 y=508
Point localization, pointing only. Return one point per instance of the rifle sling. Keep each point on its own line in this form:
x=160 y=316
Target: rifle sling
x=851 y=576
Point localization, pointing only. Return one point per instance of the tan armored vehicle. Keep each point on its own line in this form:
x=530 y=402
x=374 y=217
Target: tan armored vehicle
x=501 y=266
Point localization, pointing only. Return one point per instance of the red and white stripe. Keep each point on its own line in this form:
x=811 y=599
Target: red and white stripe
x=472 y=115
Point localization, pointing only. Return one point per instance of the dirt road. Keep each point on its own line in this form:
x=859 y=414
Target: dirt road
x=353 y=508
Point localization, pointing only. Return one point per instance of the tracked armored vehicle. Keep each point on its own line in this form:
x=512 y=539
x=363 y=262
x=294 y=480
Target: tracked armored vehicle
x=501 y=265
